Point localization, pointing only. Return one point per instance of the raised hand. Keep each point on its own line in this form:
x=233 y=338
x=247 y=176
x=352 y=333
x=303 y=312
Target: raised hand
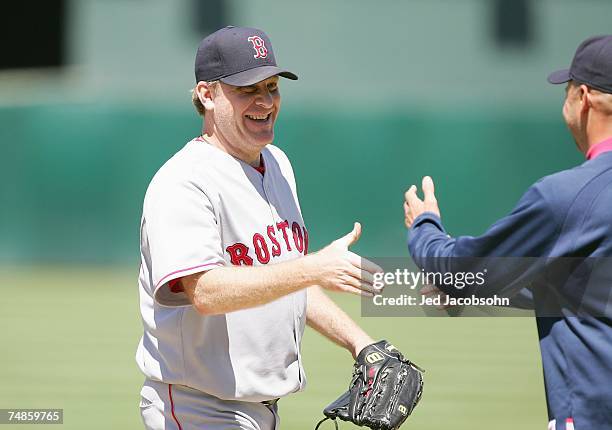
x=414 y=206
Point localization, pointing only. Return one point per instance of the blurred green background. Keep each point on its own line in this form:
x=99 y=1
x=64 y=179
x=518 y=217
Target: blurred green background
x=389 y=91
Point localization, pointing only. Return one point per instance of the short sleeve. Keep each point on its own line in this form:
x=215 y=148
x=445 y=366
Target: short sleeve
x=182 y=235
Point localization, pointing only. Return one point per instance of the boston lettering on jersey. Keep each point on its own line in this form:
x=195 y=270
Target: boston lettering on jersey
x=277 y=239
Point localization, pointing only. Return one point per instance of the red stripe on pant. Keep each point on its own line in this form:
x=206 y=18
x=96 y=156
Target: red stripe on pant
x=172 y=407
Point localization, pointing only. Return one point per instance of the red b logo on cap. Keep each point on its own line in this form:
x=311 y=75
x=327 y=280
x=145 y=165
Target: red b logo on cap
x=259 y=46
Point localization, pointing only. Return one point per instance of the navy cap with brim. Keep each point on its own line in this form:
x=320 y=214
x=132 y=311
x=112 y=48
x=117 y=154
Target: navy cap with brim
x=257 y=74
x=560 y=77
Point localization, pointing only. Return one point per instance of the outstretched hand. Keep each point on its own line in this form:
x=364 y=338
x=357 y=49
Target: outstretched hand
x=414 y=206
x=339 y=269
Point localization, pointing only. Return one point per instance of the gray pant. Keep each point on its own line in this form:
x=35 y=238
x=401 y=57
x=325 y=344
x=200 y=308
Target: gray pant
x=176 y=407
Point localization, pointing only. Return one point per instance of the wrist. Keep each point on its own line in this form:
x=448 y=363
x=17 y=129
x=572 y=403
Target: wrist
x=358 y=344
x=310 y=270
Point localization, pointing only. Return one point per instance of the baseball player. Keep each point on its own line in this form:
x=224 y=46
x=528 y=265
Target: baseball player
x=565 y=219
x=226 y=282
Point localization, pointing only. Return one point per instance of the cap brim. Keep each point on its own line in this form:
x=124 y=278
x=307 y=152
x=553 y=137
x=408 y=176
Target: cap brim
x=258 y=74
x=559 y=77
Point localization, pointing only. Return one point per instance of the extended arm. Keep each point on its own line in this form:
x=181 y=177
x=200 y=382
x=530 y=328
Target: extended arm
x=512 y=245
x=327 y=318
x=227 y=289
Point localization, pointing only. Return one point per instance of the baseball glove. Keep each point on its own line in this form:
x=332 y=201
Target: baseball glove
x=384 y=390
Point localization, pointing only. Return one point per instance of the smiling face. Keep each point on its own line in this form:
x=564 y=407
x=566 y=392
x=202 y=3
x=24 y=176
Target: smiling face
x=244 y=117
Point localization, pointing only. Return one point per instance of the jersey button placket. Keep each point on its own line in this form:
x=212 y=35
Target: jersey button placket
x=267 y=193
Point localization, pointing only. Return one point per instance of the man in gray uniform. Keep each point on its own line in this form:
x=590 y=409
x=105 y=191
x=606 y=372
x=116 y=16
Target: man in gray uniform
x=226 y=285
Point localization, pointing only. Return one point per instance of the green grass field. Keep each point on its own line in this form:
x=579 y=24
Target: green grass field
x=68 y=338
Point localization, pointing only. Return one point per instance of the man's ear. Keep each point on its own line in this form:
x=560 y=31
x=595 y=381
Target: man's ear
x=585 y=100
x=205 y=95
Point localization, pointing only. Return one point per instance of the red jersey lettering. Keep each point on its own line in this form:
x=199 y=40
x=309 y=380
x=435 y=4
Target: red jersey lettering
x=284 y=225
x=305 y=241
x=261 y=249
x=276 y=249
x=298 y=239
x=239 y=254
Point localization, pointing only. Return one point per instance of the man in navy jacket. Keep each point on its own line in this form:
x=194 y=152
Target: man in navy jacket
x=563 y=218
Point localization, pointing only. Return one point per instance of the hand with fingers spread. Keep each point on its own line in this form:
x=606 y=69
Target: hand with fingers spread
x=414 y=206
x=339 y=269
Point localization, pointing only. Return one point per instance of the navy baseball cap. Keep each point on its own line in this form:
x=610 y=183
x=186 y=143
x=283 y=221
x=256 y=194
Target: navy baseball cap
x=592 y=65
x=238 y=56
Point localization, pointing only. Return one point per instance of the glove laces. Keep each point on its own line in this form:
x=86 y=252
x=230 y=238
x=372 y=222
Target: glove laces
x=325 y=419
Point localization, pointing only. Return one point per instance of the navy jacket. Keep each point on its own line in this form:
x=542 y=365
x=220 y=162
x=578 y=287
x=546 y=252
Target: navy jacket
x=563 y=216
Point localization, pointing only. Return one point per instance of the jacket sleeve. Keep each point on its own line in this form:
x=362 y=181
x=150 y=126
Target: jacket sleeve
x=512 y=249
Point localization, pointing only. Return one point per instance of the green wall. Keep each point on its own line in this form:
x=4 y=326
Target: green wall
x=73 y=176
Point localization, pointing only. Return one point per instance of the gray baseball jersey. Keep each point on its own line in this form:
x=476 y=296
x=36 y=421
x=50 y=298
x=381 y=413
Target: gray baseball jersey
x=204 y=209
